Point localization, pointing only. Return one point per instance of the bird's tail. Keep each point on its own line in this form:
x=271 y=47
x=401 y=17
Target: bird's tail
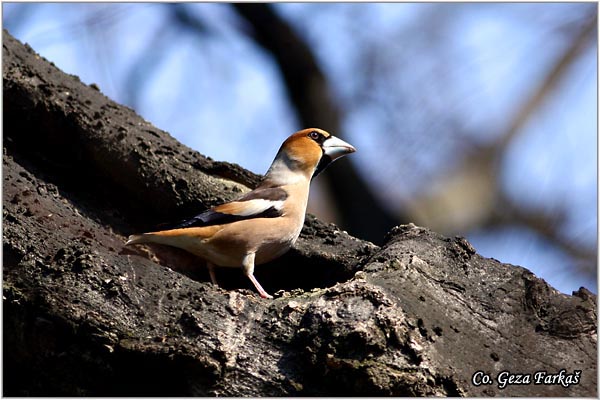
x=134 y=239
x=189 y=239
x=174 y=237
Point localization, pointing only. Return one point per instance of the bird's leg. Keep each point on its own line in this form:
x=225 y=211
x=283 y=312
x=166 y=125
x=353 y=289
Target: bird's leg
x=211 y=272
x=248 y=267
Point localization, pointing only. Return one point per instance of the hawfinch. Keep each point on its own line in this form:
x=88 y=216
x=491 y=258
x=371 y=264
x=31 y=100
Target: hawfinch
x=264 y=223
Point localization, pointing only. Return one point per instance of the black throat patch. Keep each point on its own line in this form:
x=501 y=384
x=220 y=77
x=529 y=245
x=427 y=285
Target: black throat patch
x=323 y=163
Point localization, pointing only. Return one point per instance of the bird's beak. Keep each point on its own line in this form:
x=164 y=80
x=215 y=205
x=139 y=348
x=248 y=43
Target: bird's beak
x=335 y=148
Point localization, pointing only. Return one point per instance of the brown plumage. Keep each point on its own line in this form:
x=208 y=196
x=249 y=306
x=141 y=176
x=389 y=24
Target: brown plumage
x=263 y=224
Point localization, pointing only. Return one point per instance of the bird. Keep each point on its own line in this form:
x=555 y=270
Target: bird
x=264 y=223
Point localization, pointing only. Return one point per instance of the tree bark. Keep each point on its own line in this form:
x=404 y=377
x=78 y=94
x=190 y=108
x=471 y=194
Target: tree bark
x=85 y=316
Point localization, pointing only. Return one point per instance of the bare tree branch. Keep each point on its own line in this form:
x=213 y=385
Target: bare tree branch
x=474 y=192
x=572 y=51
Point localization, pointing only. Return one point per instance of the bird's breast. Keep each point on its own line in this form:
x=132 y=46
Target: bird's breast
x=268 y=238
x=275 y=247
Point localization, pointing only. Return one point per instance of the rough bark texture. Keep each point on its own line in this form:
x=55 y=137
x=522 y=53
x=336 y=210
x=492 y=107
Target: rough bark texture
x=85 y=316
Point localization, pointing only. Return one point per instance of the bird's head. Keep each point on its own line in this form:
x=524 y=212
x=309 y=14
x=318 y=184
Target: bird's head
x=307 y=153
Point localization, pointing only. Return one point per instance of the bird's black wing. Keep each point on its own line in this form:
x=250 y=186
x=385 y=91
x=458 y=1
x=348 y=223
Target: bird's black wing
x=259 y=203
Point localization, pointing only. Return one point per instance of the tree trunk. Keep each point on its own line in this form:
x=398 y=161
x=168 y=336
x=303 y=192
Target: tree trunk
x=85 y=316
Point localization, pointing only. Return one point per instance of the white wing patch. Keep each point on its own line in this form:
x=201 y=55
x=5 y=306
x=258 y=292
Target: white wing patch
x=250 y=207
x=260 y=203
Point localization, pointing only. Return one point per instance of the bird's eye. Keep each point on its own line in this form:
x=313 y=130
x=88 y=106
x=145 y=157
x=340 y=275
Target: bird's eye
x=314 y=135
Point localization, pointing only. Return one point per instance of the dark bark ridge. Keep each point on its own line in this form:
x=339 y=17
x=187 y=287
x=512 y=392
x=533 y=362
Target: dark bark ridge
x=84 y=316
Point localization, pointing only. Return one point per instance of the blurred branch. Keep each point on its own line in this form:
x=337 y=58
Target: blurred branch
x=19 y=15
x=178 y=16
x=306 y=84
x=572 y=51
x=181 y=15
x=472 y=196
x=146 y=65
x=309 y=92
x=547 y=225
